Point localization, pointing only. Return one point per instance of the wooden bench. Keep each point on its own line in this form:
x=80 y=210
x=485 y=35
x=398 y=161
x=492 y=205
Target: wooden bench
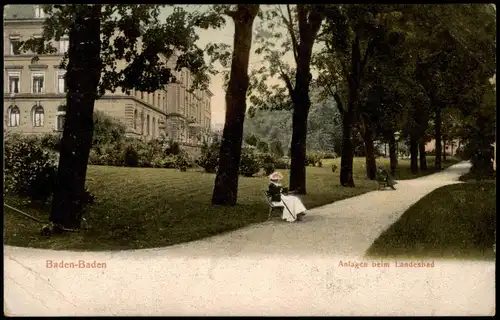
x=383 y=179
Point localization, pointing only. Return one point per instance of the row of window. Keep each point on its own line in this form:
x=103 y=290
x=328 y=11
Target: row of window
x=15 y=44
x=37 y=82
x=153 y=123
x=37 y=116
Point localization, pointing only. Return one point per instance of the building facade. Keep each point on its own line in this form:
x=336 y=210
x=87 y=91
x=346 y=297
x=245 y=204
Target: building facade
x=34 y=92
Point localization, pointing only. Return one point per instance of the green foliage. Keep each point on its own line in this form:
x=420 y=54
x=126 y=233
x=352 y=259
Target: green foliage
x=209 y=158
x=281 y=163
x=130 y=156
x=51 y=141
x=251 y=140
x=262 y=146
x=132 y=152
x=249 y=163
x=107 y=129
x=276 y=148
x=269 y=168
x=123 y=27
x=182 y=161
x=314 y=158
x=30 y=169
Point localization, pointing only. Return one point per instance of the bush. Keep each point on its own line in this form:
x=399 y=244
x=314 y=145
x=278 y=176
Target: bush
x=209 y=159
x=107 y=130
x=30 y=170
x=330 y=155
x=266 y=158
x=313 y=158
x=182 y=161
x=269 y=168
x=130 y=156
x=281 y=163
x=51 y=141
x=249 y=163
x=169 y=162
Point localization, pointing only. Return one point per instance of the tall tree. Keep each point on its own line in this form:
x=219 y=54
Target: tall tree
x=226 y=182
x=302 y=23
x=99 y=37
x=351 y=35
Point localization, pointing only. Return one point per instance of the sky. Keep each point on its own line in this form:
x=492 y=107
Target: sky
x=223 y=35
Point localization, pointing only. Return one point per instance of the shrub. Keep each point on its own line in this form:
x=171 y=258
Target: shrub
x=111 y=154
x=94 y=158
x=30 y=170
x=170 y=162
x=130 y=156
x=174 y=148
x=330 y=155
x=266 y=158
x=182 y=161
x=51 y=141
x=269 y=168
x=281 y=164
x=209 y=159
x=312 y=158
x=249 y=163
x=107 y=130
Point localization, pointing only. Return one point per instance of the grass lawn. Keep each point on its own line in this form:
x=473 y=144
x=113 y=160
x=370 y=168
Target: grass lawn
x=453 y=222
x=147 y=207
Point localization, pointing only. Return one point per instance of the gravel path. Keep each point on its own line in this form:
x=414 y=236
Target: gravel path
x=274 y=268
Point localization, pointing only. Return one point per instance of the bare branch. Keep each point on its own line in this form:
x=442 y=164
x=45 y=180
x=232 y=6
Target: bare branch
x=289 y=26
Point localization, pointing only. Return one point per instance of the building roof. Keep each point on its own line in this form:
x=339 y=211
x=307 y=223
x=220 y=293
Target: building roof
x=19 y=12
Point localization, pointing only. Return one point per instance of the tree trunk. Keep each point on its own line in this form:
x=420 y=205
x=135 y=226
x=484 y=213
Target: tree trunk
x=347 y=155
x=300 y=96
x=370 y=161
x=437 y=133
x=422 y=155
x=393 y=155
x=413 y=155
x=444 y=149
x=83 y=76
x=298 y=148
x=226 y=181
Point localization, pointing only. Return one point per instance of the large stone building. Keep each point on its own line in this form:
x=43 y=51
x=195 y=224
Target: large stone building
x=34 y=93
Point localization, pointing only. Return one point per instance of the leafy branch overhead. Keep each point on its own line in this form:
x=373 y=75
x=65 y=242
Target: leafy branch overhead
x=135 y=45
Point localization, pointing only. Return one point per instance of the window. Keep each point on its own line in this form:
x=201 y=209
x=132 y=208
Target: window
x=136 y=119
x=142 y=95
x=159 y=101
x=154 y=126
x=60 y=115
x=63 y=45
x=142 y=122
x=61 y=82
x=38 y=116
x=38 y=80
x=39 y=13
x=14 y=81
x=164 y=104
x=14 y=45
x=14 y=115
x=147 y=125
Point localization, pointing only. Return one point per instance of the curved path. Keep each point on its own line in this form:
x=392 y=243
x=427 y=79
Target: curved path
x=273 y=268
